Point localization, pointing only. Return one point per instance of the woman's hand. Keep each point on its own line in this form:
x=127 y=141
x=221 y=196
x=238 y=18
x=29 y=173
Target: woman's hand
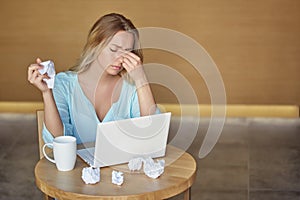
x=35 y=77
x=133 y=65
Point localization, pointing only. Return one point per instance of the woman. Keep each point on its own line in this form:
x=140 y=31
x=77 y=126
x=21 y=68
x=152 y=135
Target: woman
x=107 y=83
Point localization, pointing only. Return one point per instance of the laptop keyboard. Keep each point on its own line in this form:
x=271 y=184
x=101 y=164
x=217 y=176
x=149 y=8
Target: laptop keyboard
x=87 y=155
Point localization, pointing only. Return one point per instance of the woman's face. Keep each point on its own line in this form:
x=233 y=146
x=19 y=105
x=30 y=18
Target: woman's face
x=110 y=58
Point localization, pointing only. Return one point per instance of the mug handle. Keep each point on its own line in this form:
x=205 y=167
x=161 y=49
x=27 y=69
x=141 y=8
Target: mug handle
x=48 y=145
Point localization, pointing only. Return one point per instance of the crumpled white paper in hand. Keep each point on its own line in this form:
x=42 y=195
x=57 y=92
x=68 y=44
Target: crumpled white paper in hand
x=135 y=164
x=90 y=175
x=48 y=67
x=117 y=177
x=154 y=169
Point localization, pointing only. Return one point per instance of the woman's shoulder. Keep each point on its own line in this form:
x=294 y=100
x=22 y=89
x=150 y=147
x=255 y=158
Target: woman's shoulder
x=64 y=79
x=67 y=76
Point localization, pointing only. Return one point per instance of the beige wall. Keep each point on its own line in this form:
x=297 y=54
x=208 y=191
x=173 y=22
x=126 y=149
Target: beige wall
x=255 y=44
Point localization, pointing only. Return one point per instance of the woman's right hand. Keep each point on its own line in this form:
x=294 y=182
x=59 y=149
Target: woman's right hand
x=36 y=78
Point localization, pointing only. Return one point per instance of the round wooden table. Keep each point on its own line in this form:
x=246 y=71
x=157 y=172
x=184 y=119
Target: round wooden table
x=178 y=177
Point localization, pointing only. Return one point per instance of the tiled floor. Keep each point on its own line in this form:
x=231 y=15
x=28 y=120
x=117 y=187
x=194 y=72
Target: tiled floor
x=253 y=159
x=19 y=153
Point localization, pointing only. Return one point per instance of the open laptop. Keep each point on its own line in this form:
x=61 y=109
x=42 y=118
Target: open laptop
x=118 y=142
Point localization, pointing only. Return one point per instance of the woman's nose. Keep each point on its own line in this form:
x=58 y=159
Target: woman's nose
x=119 y=55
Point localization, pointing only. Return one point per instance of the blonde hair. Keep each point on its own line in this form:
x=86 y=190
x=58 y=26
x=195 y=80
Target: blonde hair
x=100 y=35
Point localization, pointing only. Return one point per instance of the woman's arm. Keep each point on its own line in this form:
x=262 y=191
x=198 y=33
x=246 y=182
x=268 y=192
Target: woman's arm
x=51 y=119
x=51 y=116
x=132 y=64
x=145 y=96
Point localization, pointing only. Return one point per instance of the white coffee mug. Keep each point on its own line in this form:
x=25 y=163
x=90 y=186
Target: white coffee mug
x=64 y=152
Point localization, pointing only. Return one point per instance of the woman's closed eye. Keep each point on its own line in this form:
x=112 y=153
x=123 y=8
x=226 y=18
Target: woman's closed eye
x=113 y=49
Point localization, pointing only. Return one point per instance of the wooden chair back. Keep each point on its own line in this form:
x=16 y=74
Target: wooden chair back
x=40 y=122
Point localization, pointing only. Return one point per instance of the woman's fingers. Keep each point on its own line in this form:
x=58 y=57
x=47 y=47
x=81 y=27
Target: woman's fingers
x=32 y=69
x=32 y=78
x=131 y=61
x=131 y=57
x=133 y=65
x=35 y=77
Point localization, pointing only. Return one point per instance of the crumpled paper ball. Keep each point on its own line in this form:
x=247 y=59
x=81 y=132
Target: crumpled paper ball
x=90 y=175
x=135 y=164
x=48 y=67
x=117 y=177
x=154 y=169
x=151 y=168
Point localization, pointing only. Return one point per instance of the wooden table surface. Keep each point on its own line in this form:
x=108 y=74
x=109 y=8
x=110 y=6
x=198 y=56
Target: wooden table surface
x=178 y=177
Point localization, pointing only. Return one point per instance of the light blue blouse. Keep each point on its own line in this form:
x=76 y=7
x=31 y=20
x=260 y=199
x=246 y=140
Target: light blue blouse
x=77 y=112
